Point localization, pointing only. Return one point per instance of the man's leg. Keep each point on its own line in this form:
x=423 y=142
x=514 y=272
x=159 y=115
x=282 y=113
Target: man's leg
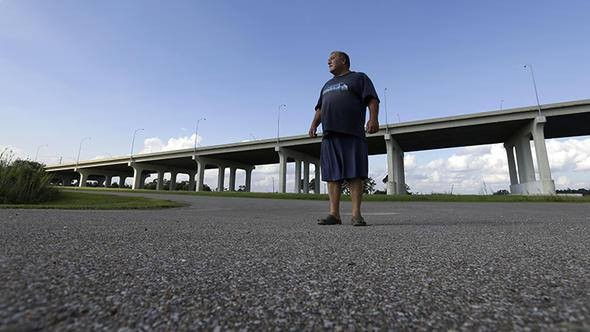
x=334 y=191
x=356 y=195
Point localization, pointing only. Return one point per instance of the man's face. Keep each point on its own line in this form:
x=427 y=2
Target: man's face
x=336 y=64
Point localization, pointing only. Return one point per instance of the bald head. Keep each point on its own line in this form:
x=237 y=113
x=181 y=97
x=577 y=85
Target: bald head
x=338 y=62
x=344 y=57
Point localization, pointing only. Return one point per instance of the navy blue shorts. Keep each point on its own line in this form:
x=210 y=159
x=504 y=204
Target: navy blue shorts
x=344 y=157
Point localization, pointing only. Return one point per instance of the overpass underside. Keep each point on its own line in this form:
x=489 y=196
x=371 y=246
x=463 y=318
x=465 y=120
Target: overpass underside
x=517 y=129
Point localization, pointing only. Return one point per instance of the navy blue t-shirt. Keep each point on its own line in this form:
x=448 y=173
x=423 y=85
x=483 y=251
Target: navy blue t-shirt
x=343 y=102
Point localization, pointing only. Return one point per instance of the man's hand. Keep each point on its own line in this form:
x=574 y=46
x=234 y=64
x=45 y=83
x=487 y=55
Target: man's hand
x=317 y=119
x=372 y=126
x=313 y=131
x=373 y=123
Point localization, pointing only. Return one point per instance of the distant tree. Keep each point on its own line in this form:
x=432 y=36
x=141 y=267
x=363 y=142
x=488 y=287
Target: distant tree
x=502 y=192
x=183 y=185
x=206 y=187
x=151 y=185
x=368 y=186
x=242 y=188
x=583 y=191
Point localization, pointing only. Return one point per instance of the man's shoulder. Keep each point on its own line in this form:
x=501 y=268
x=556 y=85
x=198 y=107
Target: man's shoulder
x=358 y=75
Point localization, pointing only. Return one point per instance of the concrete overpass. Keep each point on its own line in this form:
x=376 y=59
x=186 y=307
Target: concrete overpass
x=513 y=127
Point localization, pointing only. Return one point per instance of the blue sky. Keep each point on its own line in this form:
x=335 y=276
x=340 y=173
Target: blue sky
x=71 y=69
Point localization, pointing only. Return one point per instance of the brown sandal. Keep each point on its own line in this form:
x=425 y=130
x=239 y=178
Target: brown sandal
x=360 y=221
x=329 y=220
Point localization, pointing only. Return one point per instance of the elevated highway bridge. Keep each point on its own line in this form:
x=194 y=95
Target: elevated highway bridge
x=515 y=128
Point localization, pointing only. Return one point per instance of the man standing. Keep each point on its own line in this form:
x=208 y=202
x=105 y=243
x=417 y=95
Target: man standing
x=341 y=109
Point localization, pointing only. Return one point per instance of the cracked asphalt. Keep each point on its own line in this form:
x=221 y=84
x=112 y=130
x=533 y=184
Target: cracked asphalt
x=259 y=264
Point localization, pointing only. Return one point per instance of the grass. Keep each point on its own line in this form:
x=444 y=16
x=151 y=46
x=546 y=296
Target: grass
x=24 y=181
x=369 y=198
x=96 y=201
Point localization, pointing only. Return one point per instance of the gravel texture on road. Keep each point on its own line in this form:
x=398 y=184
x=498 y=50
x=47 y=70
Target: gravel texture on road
x=259 y=264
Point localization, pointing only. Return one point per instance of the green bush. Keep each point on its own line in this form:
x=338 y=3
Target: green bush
x=24 y=182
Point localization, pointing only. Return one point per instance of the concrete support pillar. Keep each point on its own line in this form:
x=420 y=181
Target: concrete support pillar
x=298 y=176
x=144 y=177
x=66 y=181
x=200 y=174
x=137 y=177
x=537 y=131
x=83 y=178
x=306 y=177
x=511 y=164
x=101 y=182
x=220 y=178
x=318 y=179
x=396 y=182
x=108 y=180
x=160 y=181
x=524 y=158
x=390 y=147
x=282 y=171
x=232 y=178
x=524 y=181
x=541 y=149
x=191 y=181
x=248 y=183
x=173 y=175
x=122 y=179
x=401 y=174
x=299 y=158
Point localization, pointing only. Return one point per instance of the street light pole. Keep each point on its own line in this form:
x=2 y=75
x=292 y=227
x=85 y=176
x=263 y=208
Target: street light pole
x=279 y=120
x=385 y=104
x=80 y=149
x=534 y=86
x=133 y=142
x=39 y=147
x=197 y=131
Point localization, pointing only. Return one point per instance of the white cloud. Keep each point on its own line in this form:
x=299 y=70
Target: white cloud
x=562 y=181
x=484 y=168
x=409 y=161
x=155 y=144
x=467 y=170
x=583 y=165
x=102 y=156
x=569 y=154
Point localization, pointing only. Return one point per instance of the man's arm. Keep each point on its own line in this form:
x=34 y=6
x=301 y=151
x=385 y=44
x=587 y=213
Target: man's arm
x=373 y=123
x=317 y=119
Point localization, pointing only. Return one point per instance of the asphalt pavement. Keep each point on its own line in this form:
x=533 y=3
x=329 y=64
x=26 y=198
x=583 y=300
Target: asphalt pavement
x=260 y=264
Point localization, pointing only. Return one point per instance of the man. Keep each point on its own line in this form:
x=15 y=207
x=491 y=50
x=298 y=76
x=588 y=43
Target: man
x=341 y=109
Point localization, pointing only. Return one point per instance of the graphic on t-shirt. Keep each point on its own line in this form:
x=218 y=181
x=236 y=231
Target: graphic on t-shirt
x=336 y=87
